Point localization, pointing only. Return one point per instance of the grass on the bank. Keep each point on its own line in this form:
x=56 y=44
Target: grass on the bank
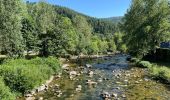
x=157 y=71
x=160 y=72
x=21 y=75
x=5 y=92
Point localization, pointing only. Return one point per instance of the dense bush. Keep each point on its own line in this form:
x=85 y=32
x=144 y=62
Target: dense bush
x=22 y=75
x=144 y=64
x=5 y=93
x=134 y=60
x=160 y=72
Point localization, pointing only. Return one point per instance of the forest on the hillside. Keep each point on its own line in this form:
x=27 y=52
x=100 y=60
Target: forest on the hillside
x=54 y=30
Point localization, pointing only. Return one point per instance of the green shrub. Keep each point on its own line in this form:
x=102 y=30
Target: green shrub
x=22 y=75
x=53 y=63
x=134 y=60
x=144 y=64
x=160 y=72
x=5 y=93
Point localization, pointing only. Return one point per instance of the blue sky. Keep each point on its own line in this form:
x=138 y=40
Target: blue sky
x=95 y=8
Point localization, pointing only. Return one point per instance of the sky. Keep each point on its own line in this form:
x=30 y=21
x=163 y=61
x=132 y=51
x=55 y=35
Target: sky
x=95 y=8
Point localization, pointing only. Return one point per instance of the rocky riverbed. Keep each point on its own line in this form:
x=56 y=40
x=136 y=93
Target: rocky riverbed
x=105 y=78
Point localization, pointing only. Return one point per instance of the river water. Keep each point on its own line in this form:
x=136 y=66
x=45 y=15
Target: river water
x=114 y=76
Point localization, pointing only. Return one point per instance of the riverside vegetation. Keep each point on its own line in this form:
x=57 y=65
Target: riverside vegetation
x=53 y=31
x=21 y=75
x=156 y=71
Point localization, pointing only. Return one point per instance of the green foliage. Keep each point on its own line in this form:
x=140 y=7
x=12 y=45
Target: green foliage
x=160 y=72
x=146 y=25
x=29 y=33
x=93 y=48
x=134 y=60
x=19 y=75
x=144 y=64
x=52 y=30
x=123 y=48
x=5 y=93
x=103 y=46
x=10 y=35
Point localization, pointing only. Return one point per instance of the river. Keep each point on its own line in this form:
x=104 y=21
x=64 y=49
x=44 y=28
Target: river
x=111 y=77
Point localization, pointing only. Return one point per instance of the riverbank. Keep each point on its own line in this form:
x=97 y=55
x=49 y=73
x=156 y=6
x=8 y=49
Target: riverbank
x=157 y=70
x=21 y=75
x=92 y=56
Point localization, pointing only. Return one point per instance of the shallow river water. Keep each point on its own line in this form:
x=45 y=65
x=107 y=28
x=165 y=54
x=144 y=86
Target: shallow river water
x=114 y=77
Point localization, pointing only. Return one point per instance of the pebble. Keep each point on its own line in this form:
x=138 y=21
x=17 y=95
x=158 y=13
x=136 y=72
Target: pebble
x=123 y=95
x=40 y=98
x=89 y=82
x=88 y=65
x=30 y=98
x=105 y=95
x=114 y=95
x=91 y=73
x=137 y=82
x=100 y=80
x=79 y=87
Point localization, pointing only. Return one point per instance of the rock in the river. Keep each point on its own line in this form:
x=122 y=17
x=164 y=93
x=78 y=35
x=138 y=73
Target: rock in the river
x=114 y=95
x=123 y=96
x=79 y=87
x=65 y=66
x=100 y=80
x=105 y=95
x=127 y=75
x=118 y=82
x=88 y=66
x=56 y=86
x=90 y=82
x=40 y=98
x=137 y=82
x=117 y=88
x=126 y=81
x=57 y=76
x=106 y=79
x=28 y=95
x=91 y=73
x=73 y=73
x=58 y=93
x=41 y=88
x=146 y=79
x=30 y=98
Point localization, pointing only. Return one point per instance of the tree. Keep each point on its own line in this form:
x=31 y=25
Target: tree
x=146 y=25
x=11 y=40
x=93 y=47
x=103 y=46
x=64 y=37
x=45 y=17
x=29 y=33
x=84 y=31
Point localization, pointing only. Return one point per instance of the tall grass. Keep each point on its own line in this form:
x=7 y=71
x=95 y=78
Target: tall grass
x=156 y=71
x=21 y=75
x=5 y=92
x=160 y=72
